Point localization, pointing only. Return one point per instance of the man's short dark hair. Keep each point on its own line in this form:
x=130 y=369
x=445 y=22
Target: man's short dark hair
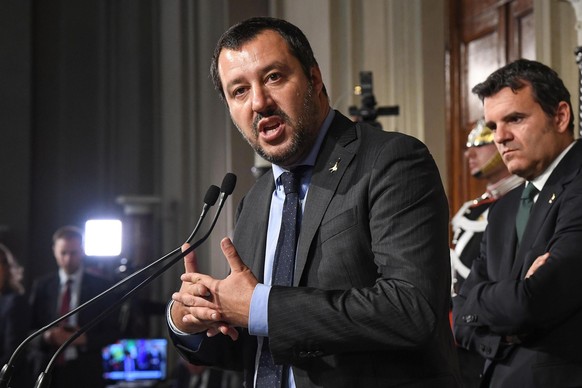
x=68 y=232
x=548 y=89
x=239 y=34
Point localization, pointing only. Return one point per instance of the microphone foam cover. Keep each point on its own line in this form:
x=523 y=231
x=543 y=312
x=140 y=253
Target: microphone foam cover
x=211 y=195
x=228 y=183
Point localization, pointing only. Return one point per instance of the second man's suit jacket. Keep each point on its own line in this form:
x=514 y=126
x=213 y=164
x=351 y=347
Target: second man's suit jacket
x=529 y=329
x=44 y=299
x=372 y=280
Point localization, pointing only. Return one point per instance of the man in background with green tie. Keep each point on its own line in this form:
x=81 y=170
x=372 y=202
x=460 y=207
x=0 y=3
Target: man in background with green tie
x=521 y=306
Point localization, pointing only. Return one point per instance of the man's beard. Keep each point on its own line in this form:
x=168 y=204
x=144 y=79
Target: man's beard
x=303 y=136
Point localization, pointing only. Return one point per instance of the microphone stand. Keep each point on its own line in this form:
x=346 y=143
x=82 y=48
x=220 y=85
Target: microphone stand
x=210 y=198
x=45 y=377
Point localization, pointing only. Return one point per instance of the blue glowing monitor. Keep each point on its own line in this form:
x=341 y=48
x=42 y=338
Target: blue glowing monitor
x=135 y=360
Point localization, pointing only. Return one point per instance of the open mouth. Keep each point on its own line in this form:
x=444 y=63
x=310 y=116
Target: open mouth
x=271 y=128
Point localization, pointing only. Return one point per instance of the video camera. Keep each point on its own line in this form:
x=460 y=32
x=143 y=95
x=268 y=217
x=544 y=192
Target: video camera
x=368 y=112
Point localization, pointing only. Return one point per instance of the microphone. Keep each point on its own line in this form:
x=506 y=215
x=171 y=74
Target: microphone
x=227 y=187
x=209 y=200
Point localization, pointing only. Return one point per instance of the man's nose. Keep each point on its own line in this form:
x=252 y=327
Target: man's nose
x=501 y=134
x=262 y=100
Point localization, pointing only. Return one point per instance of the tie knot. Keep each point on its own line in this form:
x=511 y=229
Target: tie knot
x=290 y=181
x=529 y=192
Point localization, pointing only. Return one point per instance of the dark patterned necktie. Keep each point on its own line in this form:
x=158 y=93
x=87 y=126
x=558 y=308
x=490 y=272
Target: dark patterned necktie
x=270 y=375
x=525 y=204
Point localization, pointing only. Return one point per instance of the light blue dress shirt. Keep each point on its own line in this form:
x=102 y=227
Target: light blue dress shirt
x=258 y=316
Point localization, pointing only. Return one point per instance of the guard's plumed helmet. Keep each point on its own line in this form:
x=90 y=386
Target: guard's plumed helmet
x=479 y=136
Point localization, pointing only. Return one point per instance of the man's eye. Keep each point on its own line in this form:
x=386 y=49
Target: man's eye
x=238 y=91
x=274 y=77
x=516 y=119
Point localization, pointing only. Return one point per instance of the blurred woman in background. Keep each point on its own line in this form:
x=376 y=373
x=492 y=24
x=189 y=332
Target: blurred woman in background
x=14 y=317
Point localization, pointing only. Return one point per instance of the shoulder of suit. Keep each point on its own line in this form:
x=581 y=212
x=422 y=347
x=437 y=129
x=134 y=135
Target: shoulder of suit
x=372 y=137
x=95 y=280
x=46 y=278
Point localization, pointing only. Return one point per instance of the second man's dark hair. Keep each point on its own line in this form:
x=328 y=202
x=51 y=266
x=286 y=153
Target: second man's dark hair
x=547 y=87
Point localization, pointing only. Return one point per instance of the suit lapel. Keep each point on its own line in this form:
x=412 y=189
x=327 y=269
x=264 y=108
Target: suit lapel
x=251 y=228
x=329 y=169
x=53 y=289
x=262 y=210
x=506 y=233
x=536 y=219
x=550 y=194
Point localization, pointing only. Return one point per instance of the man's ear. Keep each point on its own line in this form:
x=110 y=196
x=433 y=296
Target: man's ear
x=316 y=79
x=562 y=117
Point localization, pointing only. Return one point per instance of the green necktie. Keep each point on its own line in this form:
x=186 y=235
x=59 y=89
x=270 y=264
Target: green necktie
x=525 y=204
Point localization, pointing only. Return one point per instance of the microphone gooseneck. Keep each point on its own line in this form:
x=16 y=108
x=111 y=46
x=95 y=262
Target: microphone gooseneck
x=43 y=380
x=210 y=199
x=6 y=373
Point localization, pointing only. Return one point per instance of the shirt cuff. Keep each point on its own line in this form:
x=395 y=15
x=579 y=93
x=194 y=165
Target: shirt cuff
x=192 y=341
x=259 y=312
x=171 y=324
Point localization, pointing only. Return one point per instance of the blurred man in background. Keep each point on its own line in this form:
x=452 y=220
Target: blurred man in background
x=57 y=293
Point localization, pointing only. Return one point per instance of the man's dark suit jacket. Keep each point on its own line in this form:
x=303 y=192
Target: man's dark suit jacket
x=13 y=323
x=372 y=278
x=543 y=314
x=14 y=320
x=87 y=369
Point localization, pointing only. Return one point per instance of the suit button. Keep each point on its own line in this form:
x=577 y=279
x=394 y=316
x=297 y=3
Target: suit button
x=469 y=318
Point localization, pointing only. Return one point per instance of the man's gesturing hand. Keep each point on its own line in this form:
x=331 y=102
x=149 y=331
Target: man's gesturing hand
x=214 y=305
x=191 y=312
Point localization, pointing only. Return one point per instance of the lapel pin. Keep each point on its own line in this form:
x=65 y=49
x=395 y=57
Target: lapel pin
x=335 y=166
x=552 y=199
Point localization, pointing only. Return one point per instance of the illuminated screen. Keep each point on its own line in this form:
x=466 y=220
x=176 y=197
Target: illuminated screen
x=135 y=359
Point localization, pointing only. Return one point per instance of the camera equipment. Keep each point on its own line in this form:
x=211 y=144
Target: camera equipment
x=368 y=111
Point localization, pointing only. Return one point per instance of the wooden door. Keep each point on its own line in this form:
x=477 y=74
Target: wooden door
x=484 y=35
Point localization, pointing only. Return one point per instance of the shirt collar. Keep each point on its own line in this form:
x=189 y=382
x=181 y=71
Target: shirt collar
x=540 y=181
x=76 y=277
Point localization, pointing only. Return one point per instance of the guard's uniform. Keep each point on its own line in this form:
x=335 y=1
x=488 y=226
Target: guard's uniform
x=468 y=226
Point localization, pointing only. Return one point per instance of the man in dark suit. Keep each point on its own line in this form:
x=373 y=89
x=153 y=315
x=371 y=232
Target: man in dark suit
x=367 y=303
x=80 y=364
x=521 y=306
